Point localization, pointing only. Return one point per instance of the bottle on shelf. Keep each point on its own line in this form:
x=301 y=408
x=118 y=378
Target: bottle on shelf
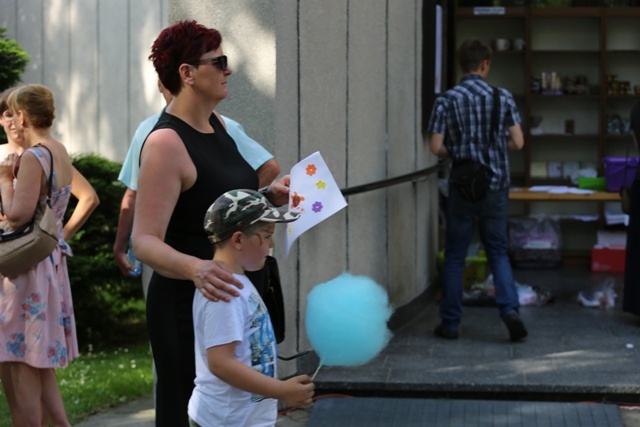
x=136 y=265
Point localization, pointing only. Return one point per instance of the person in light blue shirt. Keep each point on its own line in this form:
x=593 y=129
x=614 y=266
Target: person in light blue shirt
x=256 y=155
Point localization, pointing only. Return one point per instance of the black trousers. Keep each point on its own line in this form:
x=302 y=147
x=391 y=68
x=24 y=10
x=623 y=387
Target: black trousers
x=631 y=295
x=170 y=325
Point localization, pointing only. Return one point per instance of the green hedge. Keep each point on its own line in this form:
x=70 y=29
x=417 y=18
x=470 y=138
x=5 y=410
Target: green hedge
x=13 y=61
x=109 y=308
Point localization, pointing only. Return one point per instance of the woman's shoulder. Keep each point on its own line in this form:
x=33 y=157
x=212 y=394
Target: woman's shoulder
x=40 y=152
x=166 y=150
x=164 y=139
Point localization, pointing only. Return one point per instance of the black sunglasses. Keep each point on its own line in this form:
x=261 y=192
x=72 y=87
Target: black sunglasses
x=218 y=61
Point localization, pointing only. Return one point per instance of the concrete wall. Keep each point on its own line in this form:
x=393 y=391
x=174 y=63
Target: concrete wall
x=93 y=56
x=337 y=76
x=343 y=78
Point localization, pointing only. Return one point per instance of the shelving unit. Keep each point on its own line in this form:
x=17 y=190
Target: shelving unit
x=593 y=42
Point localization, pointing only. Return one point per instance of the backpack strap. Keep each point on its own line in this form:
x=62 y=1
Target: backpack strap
x=495 y=111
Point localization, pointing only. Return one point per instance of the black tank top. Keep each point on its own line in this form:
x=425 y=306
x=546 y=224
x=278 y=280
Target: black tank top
x=219 y=167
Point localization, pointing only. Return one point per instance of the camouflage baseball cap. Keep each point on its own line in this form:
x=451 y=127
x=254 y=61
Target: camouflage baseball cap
x=236 y=210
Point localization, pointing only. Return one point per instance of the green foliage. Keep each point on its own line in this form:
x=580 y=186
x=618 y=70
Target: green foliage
x=13 y=61
x=96 y=381
x=109 y=308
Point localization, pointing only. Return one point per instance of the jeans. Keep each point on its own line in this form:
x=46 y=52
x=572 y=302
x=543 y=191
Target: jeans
x=492 y=214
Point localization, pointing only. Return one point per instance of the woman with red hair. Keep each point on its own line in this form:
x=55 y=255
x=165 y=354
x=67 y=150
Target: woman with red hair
x=187 y=161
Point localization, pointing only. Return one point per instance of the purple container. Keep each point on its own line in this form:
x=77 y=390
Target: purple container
x=619 y=171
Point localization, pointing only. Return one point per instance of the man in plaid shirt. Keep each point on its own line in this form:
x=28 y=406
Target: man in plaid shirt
x=464 y=115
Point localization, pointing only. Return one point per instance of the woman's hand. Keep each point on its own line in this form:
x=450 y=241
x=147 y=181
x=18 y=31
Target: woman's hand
x=278 y=192
x=215 y=281
x=7 y=166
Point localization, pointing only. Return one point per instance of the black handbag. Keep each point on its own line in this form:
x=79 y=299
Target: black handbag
x=470 y=177
x=267 y=282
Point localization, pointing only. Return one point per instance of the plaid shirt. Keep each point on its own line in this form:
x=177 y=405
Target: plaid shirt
x=463 y=114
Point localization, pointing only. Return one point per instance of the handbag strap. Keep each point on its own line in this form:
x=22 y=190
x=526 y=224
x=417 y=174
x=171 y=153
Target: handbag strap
x=19 y=231
x=50 y=178
x=495 y=120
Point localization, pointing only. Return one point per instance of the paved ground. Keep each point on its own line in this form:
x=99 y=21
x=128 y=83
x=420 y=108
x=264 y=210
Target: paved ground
x=573 y=354
x=140 y=413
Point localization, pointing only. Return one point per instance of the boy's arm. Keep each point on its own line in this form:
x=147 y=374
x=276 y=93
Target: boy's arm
x=296 y=391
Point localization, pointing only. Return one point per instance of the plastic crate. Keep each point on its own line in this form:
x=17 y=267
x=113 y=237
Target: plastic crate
x=475 y=268
x=619 y=171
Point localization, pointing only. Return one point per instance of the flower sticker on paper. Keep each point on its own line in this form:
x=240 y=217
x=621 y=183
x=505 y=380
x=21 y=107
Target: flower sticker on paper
x=314 y=194
x=294 y=202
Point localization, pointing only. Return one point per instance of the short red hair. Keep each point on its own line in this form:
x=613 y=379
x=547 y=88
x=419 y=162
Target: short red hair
x=182 y=43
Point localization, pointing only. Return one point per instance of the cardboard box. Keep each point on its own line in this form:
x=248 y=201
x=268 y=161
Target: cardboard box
x=554 y=170
x=612 y=238
x=538 y=170
x=570 y=169
x=609 y=253
x=609 y=258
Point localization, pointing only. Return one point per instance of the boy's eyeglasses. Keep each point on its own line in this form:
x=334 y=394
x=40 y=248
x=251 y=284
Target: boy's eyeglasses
x=218 y=61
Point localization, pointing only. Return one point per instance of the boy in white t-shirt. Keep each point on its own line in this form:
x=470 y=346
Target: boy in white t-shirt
x=236 y=356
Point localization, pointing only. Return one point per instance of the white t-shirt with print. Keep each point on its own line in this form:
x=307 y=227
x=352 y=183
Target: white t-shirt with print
x=246 y=321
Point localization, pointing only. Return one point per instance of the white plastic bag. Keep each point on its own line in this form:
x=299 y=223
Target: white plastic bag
x=602 y=296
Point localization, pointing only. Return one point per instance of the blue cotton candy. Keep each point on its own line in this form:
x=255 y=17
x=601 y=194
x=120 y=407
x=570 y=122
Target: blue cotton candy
x=346 y=320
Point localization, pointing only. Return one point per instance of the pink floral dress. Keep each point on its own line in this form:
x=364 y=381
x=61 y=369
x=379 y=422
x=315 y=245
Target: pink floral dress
x=37 y=325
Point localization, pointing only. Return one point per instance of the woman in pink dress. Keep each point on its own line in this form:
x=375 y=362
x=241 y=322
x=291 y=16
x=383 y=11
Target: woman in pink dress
x=88 y=201
x=37 y=326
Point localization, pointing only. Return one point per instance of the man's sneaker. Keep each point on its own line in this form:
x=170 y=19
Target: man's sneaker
x=450 y=334
x=516 y=328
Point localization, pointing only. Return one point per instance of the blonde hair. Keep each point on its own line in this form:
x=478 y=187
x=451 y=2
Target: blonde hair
x=36 y=103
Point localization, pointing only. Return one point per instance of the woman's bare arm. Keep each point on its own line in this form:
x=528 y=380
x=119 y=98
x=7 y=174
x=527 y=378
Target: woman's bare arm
x=88 y=201
x=165 y=171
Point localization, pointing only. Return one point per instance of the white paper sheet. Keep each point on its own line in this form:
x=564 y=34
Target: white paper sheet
x=559 y=189
x=313 y=193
